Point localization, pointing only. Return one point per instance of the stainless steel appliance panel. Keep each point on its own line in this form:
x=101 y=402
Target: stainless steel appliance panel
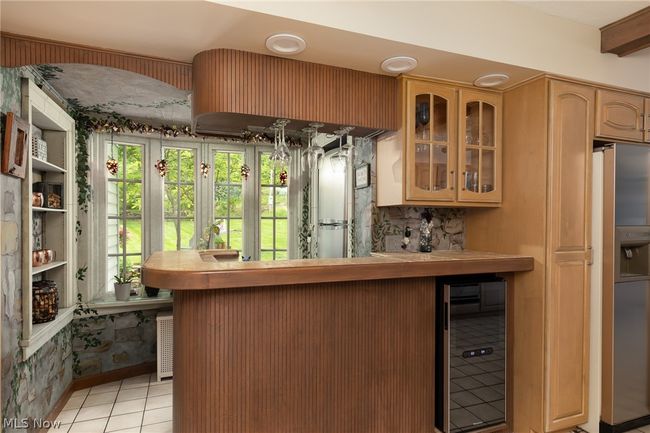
x=631 y=350
x=632 y=185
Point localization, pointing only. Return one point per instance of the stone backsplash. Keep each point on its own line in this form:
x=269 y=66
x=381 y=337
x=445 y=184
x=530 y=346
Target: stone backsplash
x=390 y=223
x=379 y=229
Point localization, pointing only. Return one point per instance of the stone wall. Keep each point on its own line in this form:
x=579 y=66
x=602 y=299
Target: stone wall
x=125 y=339
x=380 y=229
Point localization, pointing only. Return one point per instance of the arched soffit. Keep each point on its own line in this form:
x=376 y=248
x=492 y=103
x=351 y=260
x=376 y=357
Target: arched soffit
x=18 y=50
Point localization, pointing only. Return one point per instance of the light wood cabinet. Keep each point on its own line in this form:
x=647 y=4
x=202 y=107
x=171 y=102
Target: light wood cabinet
x=479 y=150
x=548 y=139
x=448 y=150
x=623 y=116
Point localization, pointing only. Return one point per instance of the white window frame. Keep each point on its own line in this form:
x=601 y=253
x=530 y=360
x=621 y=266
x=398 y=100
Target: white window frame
x=92 y=246
x=122 y=219
x=158 y=238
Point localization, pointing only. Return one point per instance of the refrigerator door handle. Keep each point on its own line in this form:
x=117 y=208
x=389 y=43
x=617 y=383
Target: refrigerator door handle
x=447 y=373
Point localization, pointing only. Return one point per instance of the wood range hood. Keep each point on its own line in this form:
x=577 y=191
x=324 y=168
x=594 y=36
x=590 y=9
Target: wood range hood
x=236 y=90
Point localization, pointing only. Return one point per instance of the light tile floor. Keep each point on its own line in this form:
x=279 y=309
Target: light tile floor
x=135 y=405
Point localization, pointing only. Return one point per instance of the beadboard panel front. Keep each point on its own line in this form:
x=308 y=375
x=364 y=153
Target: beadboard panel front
x=231 y=81
x=18 y=50
x=340 y=357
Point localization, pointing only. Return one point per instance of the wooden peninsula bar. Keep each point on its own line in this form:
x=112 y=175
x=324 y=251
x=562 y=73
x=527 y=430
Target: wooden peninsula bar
x=309 y=346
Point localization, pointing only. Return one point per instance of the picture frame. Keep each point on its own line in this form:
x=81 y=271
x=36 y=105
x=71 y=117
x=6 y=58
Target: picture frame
x=15 y=146
x=362 y=176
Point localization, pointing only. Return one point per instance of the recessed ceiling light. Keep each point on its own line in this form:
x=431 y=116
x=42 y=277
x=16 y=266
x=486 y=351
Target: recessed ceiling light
x=491 y=80
x=285 y=43
x=399 y=64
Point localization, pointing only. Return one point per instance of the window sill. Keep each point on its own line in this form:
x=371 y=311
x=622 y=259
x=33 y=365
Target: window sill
x=44 y=332
x=135 y=303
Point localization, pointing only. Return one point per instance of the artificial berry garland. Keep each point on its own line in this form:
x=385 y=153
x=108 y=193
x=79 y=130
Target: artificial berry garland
x=205 y=169
x=161 y=166
x=112 y=166
x=245 y=170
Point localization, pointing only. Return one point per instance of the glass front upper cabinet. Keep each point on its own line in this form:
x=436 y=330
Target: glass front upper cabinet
x=431 y=142
x=479 y=147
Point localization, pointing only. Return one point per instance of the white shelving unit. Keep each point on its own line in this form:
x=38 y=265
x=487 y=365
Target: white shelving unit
x=58 y=130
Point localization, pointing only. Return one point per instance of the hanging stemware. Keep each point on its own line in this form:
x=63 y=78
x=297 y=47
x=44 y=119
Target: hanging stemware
x=280 y=157
x=313 y=152
x=340 y=159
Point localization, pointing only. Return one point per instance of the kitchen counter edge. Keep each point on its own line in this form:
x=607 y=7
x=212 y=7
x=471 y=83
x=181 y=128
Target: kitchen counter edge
x=187 y=270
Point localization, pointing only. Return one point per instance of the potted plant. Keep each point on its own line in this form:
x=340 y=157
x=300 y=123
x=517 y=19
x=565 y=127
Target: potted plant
x=123 y=285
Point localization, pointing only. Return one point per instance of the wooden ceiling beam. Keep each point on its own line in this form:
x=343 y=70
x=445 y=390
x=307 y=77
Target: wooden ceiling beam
x=627 y=35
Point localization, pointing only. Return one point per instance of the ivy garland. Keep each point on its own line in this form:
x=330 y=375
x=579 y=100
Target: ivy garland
x=94 y=119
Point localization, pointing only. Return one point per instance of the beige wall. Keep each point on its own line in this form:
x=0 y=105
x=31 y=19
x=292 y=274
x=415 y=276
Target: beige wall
x=494 y=30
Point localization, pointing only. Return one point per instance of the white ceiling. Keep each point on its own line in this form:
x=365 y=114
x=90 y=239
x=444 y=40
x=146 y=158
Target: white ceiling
x=593 y=13
x=180 y=29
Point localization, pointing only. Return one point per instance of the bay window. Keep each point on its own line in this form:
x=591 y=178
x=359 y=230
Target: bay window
x=144 y=212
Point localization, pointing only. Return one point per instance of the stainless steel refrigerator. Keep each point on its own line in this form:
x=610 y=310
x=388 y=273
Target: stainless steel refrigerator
x=626 y=287
x=334 y=206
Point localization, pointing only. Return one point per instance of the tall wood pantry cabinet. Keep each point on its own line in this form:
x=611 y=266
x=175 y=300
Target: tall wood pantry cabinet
x=546 y=213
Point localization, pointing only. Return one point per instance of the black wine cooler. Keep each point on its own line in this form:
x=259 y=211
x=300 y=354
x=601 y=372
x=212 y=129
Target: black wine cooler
x=470 y=353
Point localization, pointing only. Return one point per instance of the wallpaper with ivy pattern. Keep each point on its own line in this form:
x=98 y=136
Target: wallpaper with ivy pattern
x=31 y=388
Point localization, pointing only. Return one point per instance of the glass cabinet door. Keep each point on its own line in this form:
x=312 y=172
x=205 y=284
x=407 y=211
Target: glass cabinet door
x=479 y=149
x=431 y=151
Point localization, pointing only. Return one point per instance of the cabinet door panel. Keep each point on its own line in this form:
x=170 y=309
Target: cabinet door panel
x=479 y=147
x=430 y=142
x=619 y=115
x=569 y=215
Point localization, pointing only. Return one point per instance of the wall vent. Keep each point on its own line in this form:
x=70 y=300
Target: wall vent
x=165 y=346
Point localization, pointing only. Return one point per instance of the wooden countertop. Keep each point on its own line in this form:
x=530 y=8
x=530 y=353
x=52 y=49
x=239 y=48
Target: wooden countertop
x=189 y=270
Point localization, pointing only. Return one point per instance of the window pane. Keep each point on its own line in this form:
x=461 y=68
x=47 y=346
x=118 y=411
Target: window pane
x=113 y=239
x=133 y=236
x=170 y=243
x=281 y=234
x=118 y=153
x=133 y=199
x=281 y=202
x=266 y=170
x=134 y=162
x=187 y=201
x=187 y=234
x=236 y=161
x=221 y=167
x=180 y=199
x=220 y=201
x=171 y=200
x=280 y=255
x=235 y=201
x=112 y=199
x=266 y=234
x=266 y=201
x=171 y=156
x=187 y=165
x=266 y=255
x=235 y=234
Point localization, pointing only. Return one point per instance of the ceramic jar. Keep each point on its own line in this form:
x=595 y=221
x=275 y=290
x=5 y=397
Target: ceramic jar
x=37 y=199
